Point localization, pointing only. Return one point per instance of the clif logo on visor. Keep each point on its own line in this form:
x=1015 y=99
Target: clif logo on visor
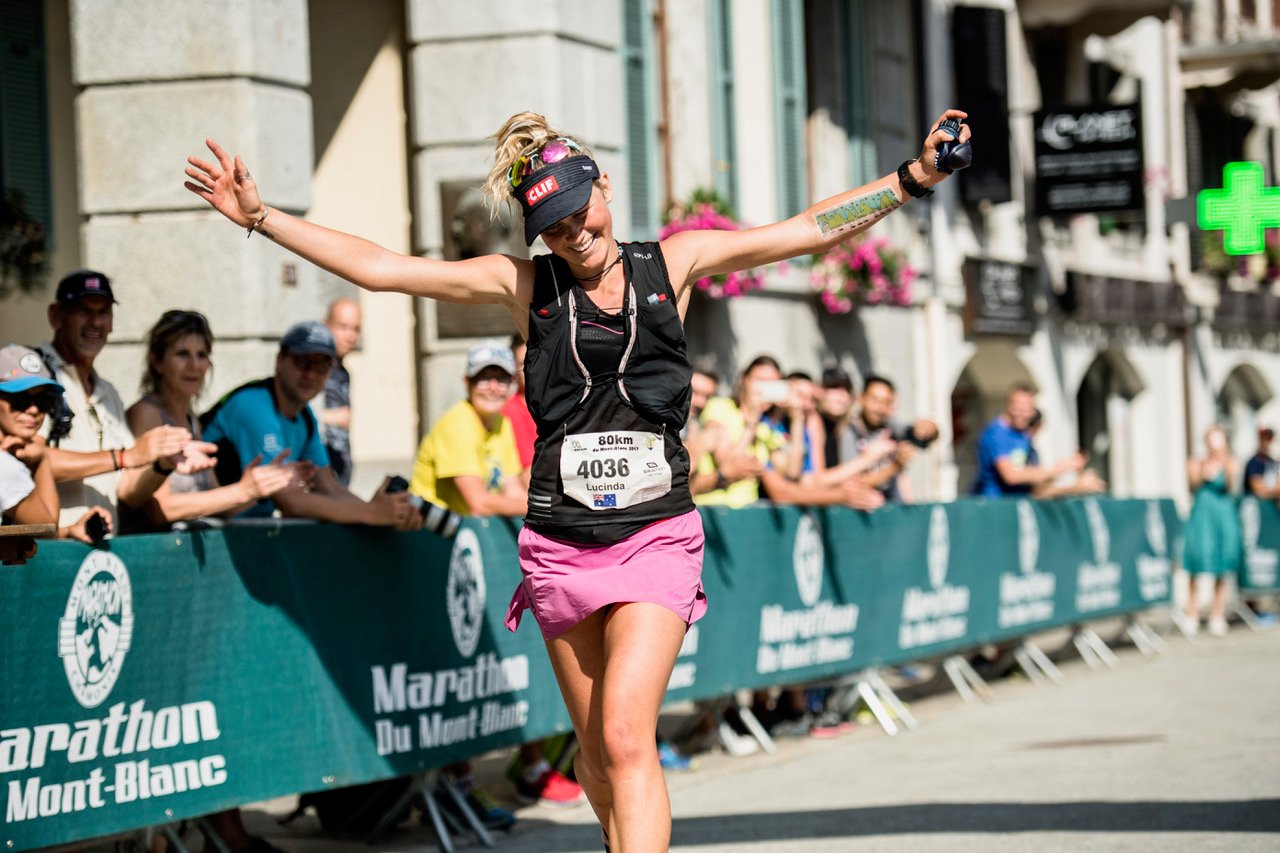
x=541 y=190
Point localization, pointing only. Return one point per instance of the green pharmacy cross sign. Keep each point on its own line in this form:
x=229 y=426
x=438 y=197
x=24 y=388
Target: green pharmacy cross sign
x=1243 y=209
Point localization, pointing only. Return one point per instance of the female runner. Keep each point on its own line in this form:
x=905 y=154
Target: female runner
x=611 y=551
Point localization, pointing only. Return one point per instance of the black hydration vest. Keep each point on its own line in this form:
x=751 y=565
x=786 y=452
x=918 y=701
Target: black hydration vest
x=649 y=393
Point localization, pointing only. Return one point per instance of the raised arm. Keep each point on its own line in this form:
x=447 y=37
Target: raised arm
x=692 y=255
x=228 y=187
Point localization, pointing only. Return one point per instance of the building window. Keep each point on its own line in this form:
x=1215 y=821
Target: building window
x=789 y=88
x=642 y=126
x=723 y=118
x=24 y=124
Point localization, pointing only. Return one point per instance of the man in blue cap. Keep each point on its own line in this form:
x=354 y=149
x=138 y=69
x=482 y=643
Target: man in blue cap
x=272 y=415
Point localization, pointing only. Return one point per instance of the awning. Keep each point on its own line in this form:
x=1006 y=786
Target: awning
x=1243 y=65
x=1103 y=17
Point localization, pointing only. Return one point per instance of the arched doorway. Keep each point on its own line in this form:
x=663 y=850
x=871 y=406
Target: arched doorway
x=1103 y=418
x=977 y=397
x=1243 y=393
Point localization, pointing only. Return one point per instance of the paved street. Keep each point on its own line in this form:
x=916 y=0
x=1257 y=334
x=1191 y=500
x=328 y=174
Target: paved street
x=1178 y=753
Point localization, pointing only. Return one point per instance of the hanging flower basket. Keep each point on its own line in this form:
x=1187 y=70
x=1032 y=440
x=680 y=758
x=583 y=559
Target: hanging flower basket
x=706 y=211
x=23 y=256
x=863 y=270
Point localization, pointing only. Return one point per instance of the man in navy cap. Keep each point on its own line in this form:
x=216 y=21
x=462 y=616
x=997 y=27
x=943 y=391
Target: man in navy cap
x=272 y=415
x=95 y=459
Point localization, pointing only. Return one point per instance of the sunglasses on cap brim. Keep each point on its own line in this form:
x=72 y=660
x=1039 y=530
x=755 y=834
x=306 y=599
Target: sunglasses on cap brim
x=553 y=152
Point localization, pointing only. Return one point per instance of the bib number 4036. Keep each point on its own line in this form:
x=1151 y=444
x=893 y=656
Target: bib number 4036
x=614 y=470
x=597 y=469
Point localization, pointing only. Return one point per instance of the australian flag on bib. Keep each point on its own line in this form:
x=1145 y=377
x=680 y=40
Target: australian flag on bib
x=606 y=501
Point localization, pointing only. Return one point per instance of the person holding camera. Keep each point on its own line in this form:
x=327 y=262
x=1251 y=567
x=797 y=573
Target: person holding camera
x=96 y=461
x=269 y=417
x=611 y=548
x=875 y=422
x=28 y=494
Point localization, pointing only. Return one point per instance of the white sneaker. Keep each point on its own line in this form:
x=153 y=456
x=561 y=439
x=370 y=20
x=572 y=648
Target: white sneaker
x=735 y=744
x=1218 y=627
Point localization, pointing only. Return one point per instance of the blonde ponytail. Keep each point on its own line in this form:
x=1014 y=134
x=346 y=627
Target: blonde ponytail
x=523 y=133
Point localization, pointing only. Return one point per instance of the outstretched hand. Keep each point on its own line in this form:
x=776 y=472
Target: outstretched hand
x=226 y=185
x=935 y=138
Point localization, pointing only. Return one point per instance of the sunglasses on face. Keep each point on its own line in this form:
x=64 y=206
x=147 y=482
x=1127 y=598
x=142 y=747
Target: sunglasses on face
x=44 y=402
x=553 y=152
x=313 y=365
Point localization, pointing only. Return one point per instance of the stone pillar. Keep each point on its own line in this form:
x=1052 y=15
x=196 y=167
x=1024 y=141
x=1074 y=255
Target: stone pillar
x=472 y=65
x=155 y=79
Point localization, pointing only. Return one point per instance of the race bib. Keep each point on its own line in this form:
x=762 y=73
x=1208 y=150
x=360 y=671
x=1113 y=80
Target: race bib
x=614 y=470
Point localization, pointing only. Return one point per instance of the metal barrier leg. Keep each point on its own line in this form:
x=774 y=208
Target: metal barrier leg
x=473 y=822
x=175 y=843
x=1086 y=651
x=1028 y=666
x=1100 y=648
x=1041 y=661
x=211 y=836
x=1247 y=616
x=432 y=810
x=1147 y=642
x=389 y=816
x=876 y=707
x=757 y=731
x=888 y=697
x=965 y=679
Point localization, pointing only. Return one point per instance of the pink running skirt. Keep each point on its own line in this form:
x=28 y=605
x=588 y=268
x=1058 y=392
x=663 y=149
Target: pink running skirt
x=565 y=583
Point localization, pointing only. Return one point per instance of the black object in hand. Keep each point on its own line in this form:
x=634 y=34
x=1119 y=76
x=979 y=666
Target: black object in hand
x=952 y=155
x=434 y=518
x=909 y=434
x=95 y=527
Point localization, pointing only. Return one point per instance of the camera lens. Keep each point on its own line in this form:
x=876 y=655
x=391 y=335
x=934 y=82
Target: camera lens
x=440 y=520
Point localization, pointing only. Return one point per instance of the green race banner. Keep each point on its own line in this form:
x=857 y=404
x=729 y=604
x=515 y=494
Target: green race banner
x=172 y=675
x=1260 y=530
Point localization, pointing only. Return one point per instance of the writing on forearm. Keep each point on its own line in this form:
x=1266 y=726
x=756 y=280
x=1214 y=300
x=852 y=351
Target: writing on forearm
x=856 y=212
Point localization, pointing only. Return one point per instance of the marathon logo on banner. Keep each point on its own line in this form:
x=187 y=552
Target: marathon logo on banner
x=1155 y=570
x=94 y=635
x=821 y=632
x=473 y=694
x=1026 y=597
x=1098 y=583
x=941 y=613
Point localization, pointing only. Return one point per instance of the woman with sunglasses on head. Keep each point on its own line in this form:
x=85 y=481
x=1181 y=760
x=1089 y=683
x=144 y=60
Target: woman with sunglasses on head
x=179 y=356
x=611 y=550
x=28 y=495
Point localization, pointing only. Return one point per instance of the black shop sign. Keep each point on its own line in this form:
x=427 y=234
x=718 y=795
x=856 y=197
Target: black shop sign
x=999 y=297
x=1088 y=159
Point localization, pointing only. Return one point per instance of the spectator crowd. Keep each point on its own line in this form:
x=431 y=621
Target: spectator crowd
x=73 y=456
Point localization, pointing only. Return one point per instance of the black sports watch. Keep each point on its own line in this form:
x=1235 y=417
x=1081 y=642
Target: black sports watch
x=909 y=183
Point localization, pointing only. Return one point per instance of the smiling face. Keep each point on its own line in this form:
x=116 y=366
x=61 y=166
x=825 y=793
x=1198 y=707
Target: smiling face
x=585 y=238
x=21 y=414
x=489 y=390
x=184 y=366
x=81 y=328
x=878 y=404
